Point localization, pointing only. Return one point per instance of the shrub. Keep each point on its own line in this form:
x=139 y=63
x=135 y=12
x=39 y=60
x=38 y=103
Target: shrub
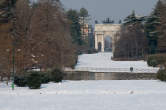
x=45 y=78
x=34 y=80
x=161 y=75
x=57 y=75
x=157 y=59
x=153 y=63
x=91 y=51
x=20 y=81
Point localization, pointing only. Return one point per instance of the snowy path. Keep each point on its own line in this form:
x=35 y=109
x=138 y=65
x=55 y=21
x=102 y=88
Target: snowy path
x=101 y=62
x=87 y=95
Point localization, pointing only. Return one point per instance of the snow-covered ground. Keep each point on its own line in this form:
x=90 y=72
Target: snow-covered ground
x=87 y=95
x=101 y=62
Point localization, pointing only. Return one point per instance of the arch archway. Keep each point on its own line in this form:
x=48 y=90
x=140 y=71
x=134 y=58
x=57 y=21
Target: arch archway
x=99 y=46
x=107 y=44
x=106 y=34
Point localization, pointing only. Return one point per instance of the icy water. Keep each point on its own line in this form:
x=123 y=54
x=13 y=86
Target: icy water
x=109 y=76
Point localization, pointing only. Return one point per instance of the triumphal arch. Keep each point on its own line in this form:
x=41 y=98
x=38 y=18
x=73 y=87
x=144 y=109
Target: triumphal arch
x=105 y=36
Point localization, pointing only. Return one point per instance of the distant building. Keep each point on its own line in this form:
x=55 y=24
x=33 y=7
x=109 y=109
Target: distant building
x=105 y=36
x=86 y=31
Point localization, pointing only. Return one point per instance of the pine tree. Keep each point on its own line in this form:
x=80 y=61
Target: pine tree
x=151 y=30
x=83 y=13
x=132 y=19
x=83 y=20
x=75 y=26
x=161 y=8
x=6 y=10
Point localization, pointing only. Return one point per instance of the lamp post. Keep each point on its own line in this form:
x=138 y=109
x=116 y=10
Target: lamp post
x=13 y=66
x=10 y=9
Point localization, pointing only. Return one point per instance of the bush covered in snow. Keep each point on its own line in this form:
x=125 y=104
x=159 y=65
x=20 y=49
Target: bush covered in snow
x=20 y=81
x=157 y=59
x=57 y=75
x=91 y=51
x=161 y=75
x=152 y=62
x=34 y=80
x=45 y=77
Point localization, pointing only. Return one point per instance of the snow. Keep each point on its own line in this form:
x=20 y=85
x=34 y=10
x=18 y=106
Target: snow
x=102 y=62
x=87 y=95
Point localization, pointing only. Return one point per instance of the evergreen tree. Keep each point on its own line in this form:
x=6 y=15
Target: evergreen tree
x=133 y=19
x=84 y=19
x=83 y=12
x=75 y=26
x=130 y=19
x=151 y=30
x=6 y=10
x=161 y=9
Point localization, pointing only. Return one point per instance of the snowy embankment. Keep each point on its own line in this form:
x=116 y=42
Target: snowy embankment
x=101 y=62
x=87 y=95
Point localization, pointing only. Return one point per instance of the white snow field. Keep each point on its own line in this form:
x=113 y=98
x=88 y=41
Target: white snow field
x=87 y=95
x=101 y=62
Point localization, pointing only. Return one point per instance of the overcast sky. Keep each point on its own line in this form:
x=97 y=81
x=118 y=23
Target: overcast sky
x=115 y=9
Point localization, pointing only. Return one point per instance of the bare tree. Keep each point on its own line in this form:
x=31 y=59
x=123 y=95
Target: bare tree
x=44 y=35
x=132 y=42
x=41 y=37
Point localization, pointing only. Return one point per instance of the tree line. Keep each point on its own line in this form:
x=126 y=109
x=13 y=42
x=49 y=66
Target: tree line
x=78 y=21
x=39 y=34
x=143 y=35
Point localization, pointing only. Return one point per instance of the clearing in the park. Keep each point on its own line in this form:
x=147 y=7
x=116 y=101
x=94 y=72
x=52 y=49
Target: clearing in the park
x=102 y=62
